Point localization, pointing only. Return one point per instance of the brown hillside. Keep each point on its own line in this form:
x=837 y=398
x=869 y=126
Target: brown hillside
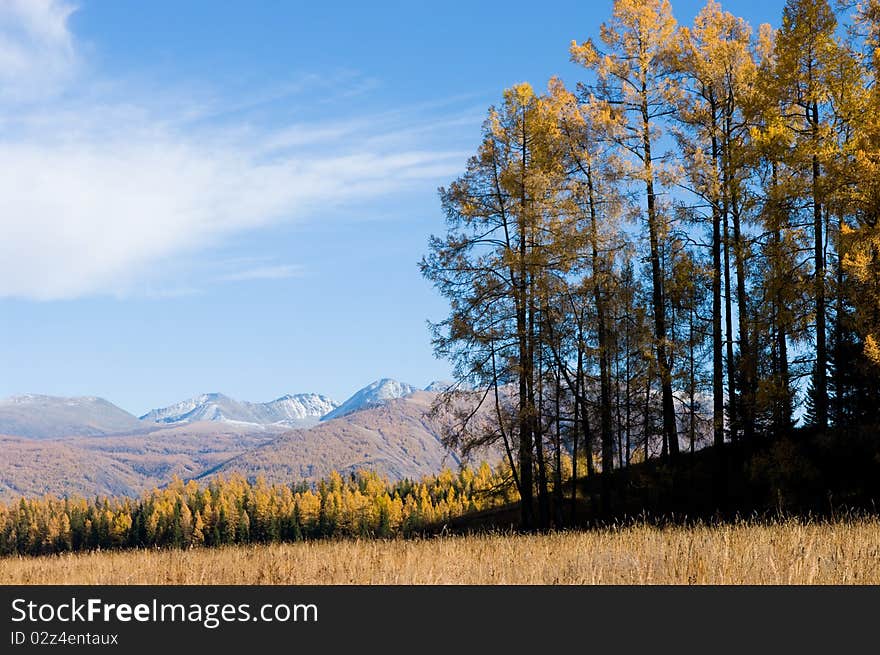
x=398 y=439
x=125 y=464
x=32 y=467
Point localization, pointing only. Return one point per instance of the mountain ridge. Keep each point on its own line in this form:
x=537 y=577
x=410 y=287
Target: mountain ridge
x=399 y=438
x=374 y=394
x=40 y=416
x=290 y=409
x=387 y=426
x=44 y=416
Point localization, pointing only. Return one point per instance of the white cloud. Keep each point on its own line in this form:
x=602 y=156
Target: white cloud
x=36 y=48
x=279 y=272
x=97 y=195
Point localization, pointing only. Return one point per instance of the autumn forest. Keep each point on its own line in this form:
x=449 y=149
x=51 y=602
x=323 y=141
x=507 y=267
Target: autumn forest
x=680 y=251
x=663 y=284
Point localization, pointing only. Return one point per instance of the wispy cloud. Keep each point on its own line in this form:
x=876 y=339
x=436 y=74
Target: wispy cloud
x=37 y=52
x=167 y=293
x=280 y=272
x=100 y=189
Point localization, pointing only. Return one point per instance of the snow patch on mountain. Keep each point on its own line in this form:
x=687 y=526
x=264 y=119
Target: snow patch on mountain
x=40 y=416
x=288 y=410
x=440 y=386
x=372 y=395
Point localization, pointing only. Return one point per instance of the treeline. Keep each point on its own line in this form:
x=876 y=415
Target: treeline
x=234 y=511
x=684 y=249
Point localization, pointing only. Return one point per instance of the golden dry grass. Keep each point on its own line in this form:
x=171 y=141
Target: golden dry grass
x=784 y=553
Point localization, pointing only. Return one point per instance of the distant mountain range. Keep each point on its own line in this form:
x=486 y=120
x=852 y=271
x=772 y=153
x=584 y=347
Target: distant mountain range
x=89 y=446
x=396 y=437
x=291 y=410
x=45 y=417
x=48 y=417
x=372 y=395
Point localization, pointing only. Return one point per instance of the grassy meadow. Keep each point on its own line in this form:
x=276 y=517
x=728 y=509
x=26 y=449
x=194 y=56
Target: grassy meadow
x=789 y=552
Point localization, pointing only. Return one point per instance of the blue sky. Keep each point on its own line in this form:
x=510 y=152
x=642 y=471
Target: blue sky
x=215 y=196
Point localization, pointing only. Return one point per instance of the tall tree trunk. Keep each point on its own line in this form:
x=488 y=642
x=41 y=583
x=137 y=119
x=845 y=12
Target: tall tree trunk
x=732 y=404
x=646 y=424
x=820 y=377
x=525 y=445
x=840 y=388
x=536 y=405
x=628 y=398
x=717 y=347
x=692 y=381
x=719 y=207
x=670 y=432
x=618 y=412
x=525 y=326
x=605 y=421
x=557 y=475
x=782 y=403
x=576 y=427
x=746 y=405
x=588 y=437
x=543 y=491
x=747 y=360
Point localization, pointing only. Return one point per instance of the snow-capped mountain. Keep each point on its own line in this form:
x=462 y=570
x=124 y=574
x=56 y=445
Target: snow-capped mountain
x=300 y=406
x=372 y=395
x=440 y=386
x=40 y=417
x=293 y=410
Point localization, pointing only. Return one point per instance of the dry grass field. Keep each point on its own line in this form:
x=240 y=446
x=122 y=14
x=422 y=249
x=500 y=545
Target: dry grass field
x=782 y=553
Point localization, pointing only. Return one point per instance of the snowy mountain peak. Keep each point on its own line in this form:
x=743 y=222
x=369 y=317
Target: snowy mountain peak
x=440 y=385
x=287 y=410
x=40 y=416
x=301 y=406
x=37 y=399
x=372 y=395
